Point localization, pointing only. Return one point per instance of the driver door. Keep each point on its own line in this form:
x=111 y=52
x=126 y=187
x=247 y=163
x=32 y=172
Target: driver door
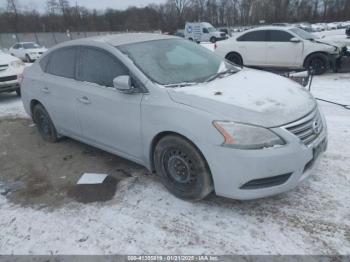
x=108 y=118
x=281 y=52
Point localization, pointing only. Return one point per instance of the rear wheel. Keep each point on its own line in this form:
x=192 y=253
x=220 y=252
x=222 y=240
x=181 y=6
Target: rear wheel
x=182 y=168
x=235 y=58
x=28 y=60
x=44 y=124
x=318 y=64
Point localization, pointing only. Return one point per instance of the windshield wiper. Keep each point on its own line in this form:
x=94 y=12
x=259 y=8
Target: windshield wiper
x=229 y=71
x=182 y=84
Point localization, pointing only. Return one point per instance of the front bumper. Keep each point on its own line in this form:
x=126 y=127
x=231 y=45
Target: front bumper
x=9 y=86
x=35 y=56
x=246 y=174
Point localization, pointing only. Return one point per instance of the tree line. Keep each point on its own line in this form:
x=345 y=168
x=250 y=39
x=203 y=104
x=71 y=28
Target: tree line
x=60 y=16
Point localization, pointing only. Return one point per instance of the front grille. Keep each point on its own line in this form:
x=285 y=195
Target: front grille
x=3 y=67
x=308 y=128
x=8 y=78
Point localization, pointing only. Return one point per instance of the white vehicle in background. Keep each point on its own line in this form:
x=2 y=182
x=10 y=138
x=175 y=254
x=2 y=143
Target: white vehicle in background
x=27 y=51
x=332 y=26
x=10 y=68
x=280 y=47
x=203 y=32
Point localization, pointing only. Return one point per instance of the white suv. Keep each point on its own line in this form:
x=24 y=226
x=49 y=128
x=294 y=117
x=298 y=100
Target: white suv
x=280 y=47
x=27 y=51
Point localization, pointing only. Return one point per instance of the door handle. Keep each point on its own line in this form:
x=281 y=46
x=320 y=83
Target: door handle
x=84 y=100
x=45 y=90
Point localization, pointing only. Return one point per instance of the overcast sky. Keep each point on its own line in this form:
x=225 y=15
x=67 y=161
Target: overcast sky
x=40 y=5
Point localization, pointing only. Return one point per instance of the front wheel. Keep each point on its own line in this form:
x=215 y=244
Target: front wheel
x=182 y=168
x=28 y=60
x=213 y=40
x=318 y=64
x=44 y=124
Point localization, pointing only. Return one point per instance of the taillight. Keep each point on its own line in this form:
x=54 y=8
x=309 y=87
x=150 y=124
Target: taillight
x=20 y=78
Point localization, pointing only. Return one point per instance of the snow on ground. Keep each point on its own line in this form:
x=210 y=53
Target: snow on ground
x=144 y=218
x=11 y=106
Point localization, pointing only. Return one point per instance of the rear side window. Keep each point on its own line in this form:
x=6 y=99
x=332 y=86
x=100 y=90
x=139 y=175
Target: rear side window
x=62 y=62
x=255 y=36
x=99 y=67
x=279 y=36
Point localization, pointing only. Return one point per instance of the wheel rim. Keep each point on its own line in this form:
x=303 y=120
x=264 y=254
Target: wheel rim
x=179 y=169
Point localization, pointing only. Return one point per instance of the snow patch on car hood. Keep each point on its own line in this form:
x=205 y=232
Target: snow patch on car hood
x=249 y=96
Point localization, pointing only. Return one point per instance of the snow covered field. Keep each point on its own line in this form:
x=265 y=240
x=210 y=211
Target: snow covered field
x=143 y=218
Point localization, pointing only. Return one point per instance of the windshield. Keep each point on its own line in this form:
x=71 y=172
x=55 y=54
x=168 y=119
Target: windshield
x=212 y=29
x=303 y=34
x=174 y=61
x=30 y=46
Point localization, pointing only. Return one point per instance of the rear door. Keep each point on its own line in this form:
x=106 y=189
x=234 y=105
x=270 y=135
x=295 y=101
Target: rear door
x=59 y=91
x=253 y=48
x=281 y=52
x=109 y=118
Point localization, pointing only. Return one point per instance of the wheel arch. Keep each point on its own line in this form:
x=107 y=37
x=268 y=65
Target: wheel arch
x=314 y=54
x=33 y=103
x=235 y=53
x=163 y=134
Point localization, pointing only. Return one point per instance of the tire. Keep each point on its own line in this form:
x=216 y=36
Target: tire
x=235 y=58
x=191 y=39
x=18 y=92
x=44 y=124
x=213 y=40
x=182 y=168
x=318 y=63
x=28 y=60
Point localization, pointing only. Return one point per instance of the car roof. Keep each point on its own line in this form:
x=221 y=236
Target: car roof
x=122 y=39
x=26 y=43
x=273 y=27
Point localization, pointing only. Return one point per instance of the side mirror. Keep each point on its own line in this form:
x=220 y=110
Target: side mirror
x=123 y=84
x=295 y=40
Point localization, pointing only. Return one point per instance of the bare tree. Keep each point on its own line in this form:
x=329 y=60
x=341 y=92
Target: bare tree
x=13 y=12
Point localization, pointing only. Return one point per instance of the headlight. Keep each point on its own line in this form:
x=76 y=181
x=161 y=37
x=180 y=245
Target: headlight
x=243 y=136
x=16 y=64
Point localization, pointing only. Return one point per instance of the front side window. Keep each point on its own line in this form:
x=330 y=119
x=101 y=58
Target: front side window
x=99 y=67
x=174 y=61
x=62 y=62
x=255 y=36
x=279 y=36
x=303 y=34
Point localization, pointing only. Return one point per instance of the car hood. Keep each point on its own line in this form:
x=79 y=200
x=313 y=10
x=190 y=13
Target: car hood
x=330 y=42
x=7 y=59
x=249 y=96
